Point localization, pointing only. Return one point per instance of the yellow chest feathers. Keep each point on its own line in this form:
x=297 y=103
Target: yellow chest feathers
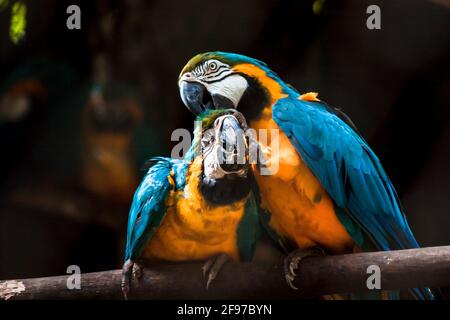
x=301 y=209
x=193 y=229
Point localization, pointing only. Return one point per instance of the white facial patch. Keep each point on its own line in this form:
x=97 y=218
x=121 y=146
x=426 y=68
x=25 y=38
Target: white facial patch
x=231 y=87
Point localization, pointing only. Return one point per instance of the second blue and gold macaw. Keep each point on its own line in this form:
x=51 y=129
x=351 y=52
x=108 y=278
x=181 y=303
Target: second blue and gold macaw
x=196 y=208
x=330 y=190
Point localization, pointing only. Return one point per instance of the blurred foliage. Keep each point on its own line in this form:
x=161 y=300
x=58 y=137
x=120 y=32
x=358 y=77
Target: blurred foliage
x=318 y=6
x=3 y=4
x=18 y=21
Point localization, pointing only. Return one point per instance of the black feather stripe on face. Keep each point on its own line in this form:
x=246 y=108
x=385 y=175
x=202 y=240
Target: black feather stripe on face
x=254 y=99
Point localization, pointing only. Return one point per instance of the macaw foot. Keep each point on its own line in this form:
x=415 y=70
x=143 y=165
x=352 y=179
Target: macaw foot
x=212 y=267
x=291 y=262
x=130 y=269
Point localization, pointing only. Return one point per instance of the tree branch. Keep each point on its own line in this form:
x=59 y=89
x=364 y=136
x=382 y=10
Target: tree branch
x=316 y=276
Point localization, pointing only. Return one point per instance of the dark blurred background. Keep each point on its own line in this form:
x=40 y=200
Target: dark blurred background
x=81 y=110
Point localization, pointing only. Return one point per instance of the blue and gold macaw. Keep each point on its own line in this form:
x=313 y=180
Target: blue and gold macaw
x=330 y=189
x=196 y=208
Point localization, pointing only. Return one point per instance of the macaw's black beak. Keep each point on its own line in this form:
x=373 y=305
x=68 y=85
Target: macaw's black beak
x=197 y=99
x=234 y=145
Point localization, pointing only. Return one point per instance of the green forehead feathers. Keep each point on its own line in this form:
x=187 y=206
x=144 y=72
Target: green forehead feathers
x=202 y=57
x=231 y=59
x=209 y=116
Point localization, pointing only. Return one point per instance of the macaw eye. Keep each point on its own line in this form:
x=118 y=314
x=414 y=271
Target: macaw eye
x=212 y=66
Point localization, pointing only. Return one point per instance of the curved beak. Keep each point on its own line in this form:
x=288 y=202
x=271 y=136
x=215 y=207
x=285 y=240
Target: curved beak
x=234 y=145
x=195 y=97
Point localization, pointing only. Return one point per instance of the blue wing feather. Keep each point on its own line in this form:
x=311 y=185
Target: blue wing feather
x=150 y=202
x=349 y=170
